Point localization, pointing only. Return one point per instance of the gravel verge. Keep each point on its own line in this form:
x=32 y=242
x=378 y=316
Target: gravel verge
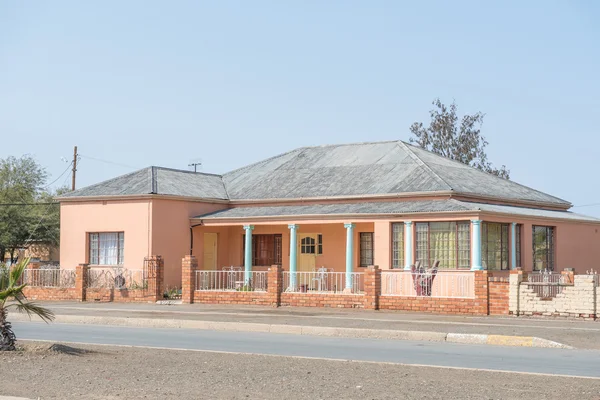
x=65 y=371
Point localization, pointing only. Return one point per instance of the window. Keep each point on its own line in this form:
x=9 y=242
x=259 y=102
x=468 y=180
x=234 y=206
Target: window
x=543 y=248
x=366 y=249
x=320 y=244
x=518 y=252
x=106 y=248
x=398 y=245
x=494 y=246
x=266 y=250
x=448 y=242
x=307 y=245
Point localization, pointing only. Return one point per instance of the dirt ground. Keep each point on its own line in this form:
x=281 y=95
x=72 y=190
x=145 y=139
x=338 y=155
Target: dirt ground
x=56 y=371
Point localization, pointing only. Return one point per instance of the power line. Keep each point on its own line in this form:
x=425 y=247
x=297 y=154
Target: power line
x=108 y=162
x=29 y=204
x=60 y=176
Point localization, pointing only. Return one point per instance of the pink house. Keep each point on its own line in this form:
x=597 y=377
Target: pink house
x=336 y=208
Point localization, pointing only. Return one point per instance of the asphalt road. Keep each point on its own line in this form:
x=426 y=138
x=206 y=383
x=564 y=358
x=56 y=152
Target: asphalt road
x=584 y=363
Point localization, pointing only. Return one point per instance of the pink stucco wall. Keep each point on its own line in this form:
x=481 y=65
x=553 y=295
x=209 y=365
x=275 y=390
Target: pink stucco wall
x=129 y=216
x=171 y=232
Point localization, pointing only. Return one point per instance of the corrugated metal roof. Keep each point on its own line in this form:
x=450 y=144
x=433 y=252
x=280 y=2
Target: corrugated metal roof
x=362 y=169
x=391 y=208
x=158 y=180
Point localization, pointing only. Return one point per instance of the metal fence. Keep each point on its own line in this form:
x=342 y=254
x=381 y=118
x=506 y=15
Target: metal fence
x=323 y=281
x=49 y=278
x=231 y=280
x=116 y=278
x=547 y=284
x=443 y=284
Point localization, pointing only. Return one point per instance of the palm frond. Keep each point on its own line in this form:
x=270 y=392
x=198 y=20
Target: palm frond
x=32 y=308
x=14 y=291
x=17 y=271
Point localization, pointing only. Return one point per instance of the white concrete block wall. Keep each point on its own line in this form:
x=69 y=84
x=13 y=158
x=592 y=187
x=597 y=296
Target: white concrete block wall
x=578 y=300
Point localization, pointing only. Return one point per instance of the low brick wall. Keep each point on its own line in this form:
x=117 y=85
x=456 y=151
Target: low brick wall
x=248 y=298
x=119 y=295
x=322 y=300
x=498 y=295
x=41 y=293
x=434 y=305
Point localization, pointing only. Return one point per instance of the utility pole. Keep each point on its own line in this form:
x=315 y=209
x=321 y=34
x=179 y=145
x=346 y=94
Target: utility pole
x=194 y=164
x=74 y=167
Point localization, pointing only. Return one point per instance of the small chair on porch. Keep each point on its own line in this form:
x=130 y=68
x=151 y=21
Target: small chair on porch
x=320 y=278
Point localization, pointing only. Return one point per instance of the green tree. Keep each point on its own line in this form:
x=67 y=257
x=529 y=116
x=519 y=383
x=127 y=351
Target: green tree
x=456 y=138
x=11 y=290
x=26 y=218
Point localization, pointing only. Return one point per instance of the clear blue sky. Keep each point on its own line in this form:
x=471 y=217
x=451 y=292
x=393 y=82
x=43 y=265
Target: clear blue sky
x=231 y=82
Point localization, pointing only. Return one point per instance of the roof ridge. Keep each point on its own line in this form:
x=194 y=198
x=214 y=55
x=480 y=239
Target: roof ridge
x=422 y=163
x=485 y=172
x=185 y=171
x=263 y=161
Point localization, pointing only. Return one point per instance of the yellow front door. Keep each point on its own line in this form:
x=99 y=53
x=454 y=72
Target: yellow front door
x=210 y=252
x=307 y=252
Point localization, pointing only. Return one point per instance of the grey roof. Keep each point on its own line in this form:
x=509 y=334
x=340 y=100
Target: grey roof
x=391 y=208
x=158 y=180
x=363 y=169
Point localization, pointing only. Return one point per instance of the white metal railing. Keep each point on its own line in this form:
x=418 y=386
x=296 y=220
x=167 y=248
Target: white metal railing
x=450 y=284
x=233 y=279
x=547 y=284
x=323 y=281
x=116 y=278
x=49 y=278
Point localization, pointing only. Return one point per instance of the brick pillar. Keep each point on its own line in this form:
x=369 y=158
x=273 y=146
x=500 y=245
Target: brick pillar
x=481 y=292
x=34 y=265
x=189 y=265
x=275 y=284
x=372 y=287
x=514 y=285
x=567 y=275
x=155 y=275
x=81 y=281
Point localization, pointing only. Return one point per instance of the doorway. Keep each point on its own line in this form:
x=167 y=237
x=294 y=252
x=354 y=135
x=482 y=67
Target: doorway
x=210 y=252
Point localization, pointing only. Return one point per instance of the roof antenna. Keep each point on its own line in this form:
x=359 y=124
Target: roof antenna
x=195 y=163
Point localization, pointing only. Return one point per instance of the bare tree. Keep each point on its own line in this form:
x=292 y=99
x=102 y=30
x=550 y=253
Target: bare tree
x=454 y=138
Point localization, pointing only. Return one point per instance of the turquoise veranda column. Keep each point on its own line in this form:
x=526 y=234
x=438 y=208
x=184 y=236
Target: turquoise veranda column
x=248 y=254
x=476 y=240
x=513 y=246
x=349 y=254
x=293 y=255
x=408 y=245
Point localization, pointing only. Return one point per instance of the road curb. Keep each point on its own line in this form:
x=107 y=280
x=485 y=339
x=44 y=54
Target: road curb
x=465 y=338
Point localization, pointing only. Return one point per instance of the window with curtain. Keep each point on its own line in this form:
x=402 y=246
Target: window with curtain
x=266 y=249
x=448 y=242
x=106 y=248
x=543 y=248
x=366 y=249
x=398 y=245
x=494 y=246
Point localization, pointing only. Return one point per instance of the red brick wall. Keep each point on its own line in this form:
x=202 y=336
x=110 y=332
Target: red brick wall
x=474 y=306
x=498 y=296
x=40 y=293
x=322 y=300
x=120 y=296
x=256 y=298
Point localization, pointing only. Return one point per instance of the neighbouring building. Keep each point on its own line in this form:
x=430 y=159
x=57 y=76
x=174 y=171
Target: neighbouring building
x=342 y=207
